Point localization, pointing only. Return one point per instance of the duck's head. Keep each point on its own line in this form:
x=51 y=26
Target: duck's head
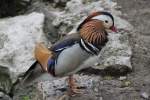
x=105 y=18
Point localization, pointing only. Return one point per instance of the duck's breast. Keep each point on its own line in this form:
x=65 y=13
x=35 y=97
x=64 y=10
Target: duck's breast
x=70 y=59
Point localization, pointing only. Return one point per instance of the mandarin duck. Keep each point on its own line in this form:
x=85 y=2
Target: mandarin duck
x=66 y=56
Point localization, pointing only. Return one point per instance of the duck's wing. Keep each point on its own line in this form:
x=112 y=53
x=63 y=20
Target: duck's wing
x=65 y=43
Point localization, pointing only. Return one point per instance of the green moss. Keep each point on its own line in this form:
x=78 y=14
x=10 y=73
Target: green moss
x=25 y=98
x=108 y=77
x=126 y=83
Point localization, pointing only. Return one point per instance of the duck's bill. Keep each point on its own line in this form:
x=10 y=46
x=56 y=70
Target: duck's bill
x=114 y=29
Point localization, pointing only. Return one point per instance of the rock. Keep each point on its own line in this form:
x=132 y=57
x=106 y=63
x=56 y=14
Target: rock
x=54 y=89
x=145 y=95
x=19 y=37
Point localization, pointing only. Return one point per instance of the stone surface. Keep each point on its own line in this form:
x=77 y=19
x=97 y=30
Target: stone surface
x=19 y=35
x=145 y=95
x=54 y=89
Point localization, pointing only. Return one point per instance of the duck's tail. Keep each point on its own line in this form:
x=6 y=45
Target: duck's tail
x=39 y=67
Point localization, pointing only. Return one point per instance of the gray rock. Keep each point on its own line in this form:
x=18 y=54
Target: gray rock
x=19 y=37
x=54 y=89
x=145 y=95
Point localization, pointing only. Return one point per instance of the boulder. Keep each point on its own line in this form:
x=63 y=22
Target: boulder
x=18 y=36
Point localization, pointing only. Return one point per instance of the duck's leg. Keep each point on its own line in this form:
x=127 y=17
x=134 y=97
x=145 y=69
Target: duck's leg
x=73 y=87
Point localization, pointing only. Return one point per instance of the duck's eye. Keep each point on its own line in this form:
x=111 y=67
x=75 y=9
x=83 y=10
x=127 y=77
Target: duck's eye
x=106 y=21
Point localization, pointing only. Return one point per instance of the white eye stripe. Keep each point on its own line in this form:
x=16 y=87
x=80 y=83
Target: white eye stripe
x=104 y=18
x=100 y=17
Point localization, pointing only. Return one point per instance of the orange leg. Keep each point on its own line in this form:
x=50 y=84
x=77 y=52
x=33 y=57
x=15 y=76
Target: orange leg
x=73 y=88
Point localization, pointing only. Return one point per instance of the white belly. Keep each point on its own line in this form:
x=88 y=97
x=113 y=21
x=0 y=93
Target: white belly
x=70 y=59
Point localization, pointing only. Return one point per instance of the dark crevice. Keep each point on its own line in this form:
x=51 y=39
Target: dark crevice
x=11 y=93
x=110 y=70
x=9 y=8
x=60 y=4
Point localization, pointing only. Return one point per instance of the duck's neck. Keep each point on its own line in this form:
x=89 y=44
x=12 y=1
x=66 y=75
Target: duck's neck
x=93 y=35
x=88 y=47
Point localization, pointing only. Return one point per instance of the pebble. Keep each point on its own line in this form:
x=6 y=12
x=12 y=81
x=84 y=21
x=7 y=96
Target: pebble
x=1 y=94
x=101 y=98
x=145 y=95
x=96 y=89
x=122 y=78
x=97 y=64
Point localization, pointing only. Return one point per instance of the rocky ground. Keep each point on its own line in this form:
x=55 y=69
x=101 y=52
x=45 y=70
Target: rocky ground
x=132 y=86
